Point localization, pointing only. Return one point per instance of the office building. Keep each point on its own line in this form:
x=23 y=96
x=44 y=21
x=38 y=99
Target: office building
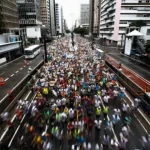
x=45 y=13
x=52 y=17
x=62 y=21
x=8 y=15
x=84 y=14
x=29 y=12
x=94 y=20
x=59 y=18
x=117 y=15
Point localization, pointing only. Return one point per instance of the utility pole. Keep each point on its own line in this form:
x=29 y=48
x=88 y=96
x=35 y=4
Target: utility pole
x=45 y=49
x=22 y=48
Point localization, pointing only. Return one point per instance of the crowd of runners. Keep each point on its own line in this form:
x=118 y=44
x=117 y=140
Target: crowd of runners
x=75 y=92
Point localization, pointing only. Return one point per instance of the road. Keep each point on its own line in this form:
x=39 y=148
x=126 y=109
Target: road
x=142 y=70
x=14 y=72
x=134 y=139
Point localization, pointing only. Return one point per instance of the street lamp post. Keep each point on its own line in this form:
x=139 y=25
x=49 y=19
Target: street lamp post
x=45 y=49
x=22 y=48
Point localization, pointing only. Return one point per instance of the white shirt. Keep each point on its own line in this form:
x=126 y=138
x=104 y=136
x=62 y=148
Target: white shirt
x=89 y=147
x=97 y=103
x=73 y=147
x=98 y=123
x=106 y=98
x=63 y=101
x=63 y=117
x=117 y=112
x=58 y=102
x=81 y=125
x=125 y=107
x=71 y=113
x=115 y=92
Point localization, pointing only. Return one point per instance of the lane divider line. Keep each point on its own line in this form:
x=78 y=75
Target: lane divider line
x=17 y=71
x=4 y=133
x=20 y=123
x=21 y=68
x=115 y=136
x=138 y=109
x=12 y=75
x=6 y=79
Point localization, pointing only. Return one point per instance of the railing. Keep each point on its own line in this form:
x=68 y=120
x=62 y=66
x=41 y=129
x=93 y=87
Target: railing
x=130 y=85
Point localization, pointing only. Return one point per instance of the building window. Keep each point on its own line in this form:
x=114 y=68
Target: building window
x=148 y=31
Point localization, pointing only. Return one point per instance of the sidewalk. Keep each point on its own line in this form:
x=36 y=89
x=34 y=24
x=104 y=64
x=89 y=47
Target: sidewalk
x=137 y=79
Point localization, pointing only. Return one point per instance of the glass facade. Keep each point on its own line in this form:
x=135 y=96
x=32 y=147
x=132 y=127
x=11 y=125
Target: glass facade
x=29 y=12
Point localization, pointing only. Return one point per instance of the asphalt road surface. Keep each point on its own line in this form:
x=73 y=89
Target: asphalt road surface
x=142 y=70
x=134 y=142
x=14 y=72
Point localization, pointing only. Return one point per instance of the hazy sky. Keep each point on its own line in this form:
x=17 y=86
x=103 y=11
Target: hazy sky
x=71 y=10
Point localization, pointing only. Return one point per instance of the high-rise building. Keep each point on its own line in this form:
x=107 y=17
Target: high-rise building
x=62 y=20
x=94 y=19
x=52 y=17
x=84 y=14
x=117 y=15
x=59 y=18
x=8 y=14
x=45 y=13
x=29 y=12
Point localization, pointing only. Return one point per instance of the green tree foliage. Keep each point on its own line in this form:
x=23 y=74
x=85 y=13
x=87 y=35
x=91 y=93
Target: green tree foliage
x=67 y=31
x=138 y=23
x=147 y=46
x=82 y=31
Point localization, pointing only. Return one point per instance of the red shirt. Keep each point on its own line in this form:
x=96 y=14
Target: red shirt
x=70 y=126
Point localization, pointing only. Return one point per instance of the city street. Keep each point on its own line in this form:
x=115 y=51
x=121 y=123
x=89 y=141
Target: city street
x=14 y=136
x=14 y=72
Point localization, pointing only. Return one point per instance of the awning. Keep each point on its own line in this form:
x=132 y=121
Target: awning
x=135 y=33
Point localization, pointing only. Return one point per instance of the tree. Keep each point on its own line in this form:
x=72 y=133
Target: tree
x=147 y=46
x=82 y=31
x=138 y=23
x=67 y=31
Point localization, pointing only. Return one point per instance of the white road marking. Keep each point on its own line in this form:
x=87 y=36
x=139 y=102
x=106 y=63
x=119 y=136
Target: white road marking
x=12 y=75
x=21 y=68
x=13 y=118
x=6 y=79
x=115 y=136
x=20 y=124
x=138 y=109
x=17 y=71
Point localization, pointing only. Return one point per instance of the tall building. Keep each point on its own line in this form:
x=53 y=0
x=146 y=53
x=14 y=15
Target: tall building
x=94 y=20
x=116 y=16
x=8 y=14
x=52 y=17
x=84 y=14
x=59 y=18
x=45 y=13
x=29 y=12
x=62 y=21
